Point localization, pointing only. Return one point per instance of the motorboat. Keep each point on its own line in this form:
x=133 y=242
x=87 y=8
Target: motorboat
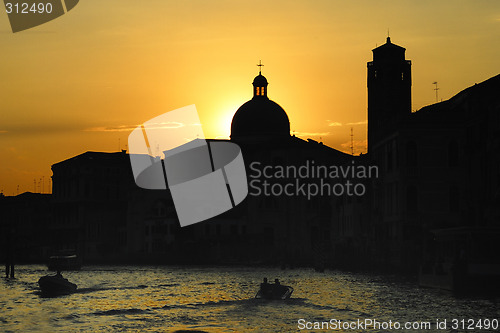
x=274 y=291
x=56 y=285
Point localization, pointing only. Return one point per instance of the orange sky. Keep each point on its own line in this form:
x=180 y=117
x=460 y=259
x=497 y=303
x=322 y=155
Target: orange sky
x=84 y=80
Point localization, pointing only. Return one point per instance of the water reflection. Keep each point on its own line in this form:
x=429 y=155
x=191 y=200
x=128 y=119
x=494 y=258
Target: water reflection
x=219 y=300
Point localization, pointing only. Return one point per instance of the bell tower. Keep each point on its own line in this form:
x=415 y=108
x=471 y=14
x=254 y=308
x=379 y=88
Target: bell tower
x=260 y=84
x=389 y=90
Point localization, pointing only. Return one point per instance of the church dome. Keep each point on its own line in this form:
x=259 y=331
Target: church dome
x=260 y=117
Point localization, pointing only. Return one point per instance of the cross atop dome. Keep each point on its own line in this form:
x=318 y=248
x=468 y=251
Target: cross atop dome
x=260 y=66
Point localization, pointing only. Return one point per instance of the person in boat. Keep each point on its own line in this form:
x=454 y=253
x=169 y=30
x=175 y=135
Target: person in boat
x=265 y=287
x=278 y=289
x=58 y=274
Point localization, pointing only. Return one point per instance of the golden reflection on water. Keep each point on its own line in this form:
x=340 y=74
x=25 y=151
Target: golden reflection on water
x=166 y=299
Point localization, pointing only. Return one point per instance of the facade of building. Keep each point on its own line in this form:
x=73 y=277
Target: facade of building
x=438 y=169
x=25 y=220
x=90 y=201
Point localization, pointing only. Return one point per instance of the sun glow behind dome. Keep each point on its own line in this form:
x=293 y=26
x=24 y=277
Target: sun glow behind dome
x=315 y=55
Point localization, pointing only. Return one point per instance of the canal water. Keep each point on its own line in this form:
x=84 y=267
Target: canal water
x=221 y=299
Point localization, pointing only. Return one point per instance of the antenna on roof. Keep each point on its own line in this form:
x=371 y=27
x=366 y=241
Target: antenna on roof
x=157 y=152
x=352 y=142
x=436 y=89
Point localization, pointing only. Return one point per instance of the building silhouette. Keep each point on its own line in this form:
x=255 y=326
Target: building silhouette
x=436 y=197
x=438 y=190
x=89 y=199
x=389 y=90
x=25 y=220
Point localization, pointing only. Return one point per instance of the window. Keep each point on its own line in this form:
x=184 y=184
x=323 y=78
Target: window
x=411 y=199
x=453 y=154
x=396 y=198
x=159 y=210
x=233 y=229
x=411 y=154
x=389 y=196
x=454 y=198
x=389 y=156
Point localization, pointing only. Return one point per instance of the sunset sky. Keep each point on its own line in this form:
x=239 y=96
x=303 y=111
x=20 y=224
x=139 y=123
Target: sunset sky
x=85 y=80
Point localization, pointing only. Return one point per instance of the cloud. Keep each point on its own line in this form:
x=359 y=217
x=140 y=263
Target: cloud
x=311 y=133
x=128 y=128
x=338 y=124
x=121 y=128
x=23 y=172
x=364 y=122
x=37 y=128
x=169 y=124
x=13 y=154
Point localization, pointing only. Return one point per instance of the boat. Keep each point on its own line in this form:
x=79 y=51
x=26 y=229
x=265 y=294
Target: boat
x=274 y=291
x=64 y=263
x=56 y=285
